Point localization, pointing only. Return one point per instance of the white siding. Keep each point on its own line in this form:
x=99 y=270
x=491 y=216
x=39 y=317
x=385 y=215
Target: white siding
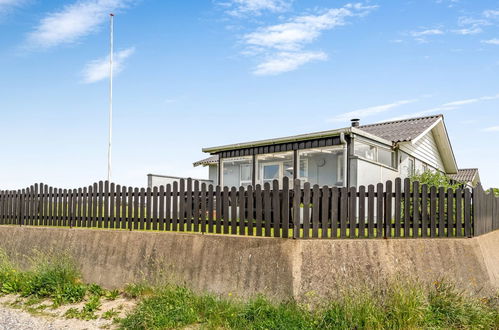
x=425 y=150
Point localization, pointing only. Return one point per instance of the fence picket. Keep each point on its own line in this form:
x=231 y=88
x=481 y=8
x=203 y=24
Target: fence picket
x=181 y=205
x=250 y=213
x=210 y=208
x=233 y=210
x=370 y=211
x=315 y=210
x=306 y=210
x=424 y=210
x=379 y=210
x=352 y=211
x=241 y=198
x=296 y=209
x=175 y=216
x=285 y=208
x=218 y=210
x=415 y=209
x=441 y=212
x=407 y=207
x=195 y=206
x=203 y=208
x=335 y=203
x=362 y=212
x=225 y=210
x=450 y=212
x=259 y=209
x=398 y=208
x=276 y=208
x=188 y=205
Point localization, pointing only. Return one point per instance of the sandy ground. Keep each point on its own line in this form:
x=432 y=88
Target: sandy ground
x=13 y=315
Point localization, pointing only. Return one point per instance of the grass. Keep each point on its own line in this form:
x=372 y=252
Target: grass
x=397 y=307
x=55 y=277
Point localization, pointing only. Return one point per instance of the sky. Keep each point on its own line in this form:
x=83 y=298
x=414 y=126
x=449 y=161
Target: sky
x=194 y=74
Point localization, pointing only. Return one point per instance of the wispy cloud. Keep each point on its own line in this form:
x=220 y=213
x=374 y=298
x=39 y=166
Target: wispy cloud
x=98 y=70
x=491 y=129
x=491 y=41
x=426 y=32
x=370 y=111
x=6 y=5
x=449 y=106
x=287 y=40
x=422 y=34
x=73 y=22
x=287 y=61
x=490 y=13
x=240 y=8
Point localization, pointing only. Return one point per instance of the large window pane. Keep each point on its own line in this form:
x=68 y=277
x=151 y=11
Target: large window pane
x=322 y=166
x=386 y=157
x=237 y=171
x=364 y=150
x=274 y=166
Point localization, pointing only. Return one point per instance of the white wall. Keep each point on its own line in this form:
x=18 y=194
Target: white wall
x=365 y=173
x=425 y=150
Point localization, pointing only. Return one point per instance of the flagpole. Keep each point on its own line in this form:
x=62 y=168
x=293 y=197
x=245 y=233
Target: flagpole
x=109 y=151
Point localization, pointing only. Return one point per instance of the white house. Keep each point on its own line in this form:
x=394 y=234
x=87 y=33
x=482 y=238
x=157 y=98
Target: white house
x=351 y=156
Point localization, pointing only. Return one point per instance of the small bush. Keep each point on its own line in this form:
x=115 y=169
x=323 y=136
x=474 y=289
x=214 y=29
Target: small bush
x=56 y=278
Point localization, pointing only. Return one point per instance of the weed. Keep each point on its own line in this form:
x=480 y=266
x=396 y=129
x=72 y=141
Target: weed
x=110 y=314
x=136 y=290
x=96 y=290
x=113 y=294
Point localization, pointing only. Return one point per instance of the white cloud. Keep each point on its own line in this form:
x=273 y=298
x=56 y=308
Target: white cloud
x=99 y=69
x=426 y=32
x=370 y=111
x=301 y=30
x=491 y=41
x=285 y=42
x=468 y=31
x=6 y=5
x=285 y=61
x=73 y=22
x=491 y=129
x=449 y=106
x=255 y=7
x=491 y=13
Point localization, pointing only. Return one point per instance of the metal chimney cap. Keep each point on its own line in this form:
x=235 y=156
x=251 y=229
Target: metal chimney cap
x=355 y=122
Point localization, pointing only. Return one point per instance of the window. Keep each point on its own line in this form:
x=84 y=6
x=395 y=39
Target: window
x=410 y=167
x=274 y=166
x=322 y=166
x=237 y=171
x=374 y=153
x=366 y=151
x=245 y=174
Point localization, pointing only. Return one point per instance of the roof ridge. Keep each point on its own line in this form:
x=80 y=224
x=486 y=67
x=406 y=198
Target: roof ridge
x=402 y=120
x=467 y=169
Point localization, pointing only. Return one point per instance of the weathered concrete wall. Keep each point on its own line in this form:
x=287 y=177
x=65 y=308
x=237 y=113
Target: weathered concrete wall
x=244 y=266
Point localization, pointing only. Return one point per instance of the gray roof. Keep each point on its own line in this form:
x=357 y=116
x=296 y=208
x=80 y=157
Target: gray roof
x=207 y=161
x=401 y=130
x=465 y=175
x=390 y=131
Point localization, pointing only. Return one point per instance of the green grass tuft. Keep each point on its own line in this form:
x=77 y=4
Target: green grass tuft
x=406 y=306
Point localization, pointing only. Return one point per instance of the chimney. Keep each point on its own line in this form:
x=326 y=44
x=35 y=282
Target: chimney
x=355 y=122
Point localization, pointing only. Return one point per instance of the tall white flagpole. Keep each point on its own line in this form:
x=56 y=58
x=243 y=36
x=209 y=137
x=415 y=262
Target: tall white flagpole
x=109 y=150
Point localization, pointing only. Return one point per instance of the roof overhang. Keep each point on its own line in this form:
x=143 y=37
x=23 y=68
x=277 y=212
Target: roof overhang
x=295 y=138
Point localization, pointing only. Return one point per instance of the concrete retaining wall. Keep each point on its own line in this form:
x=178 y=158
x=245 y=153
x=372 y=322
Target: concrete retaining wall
x=244 y=266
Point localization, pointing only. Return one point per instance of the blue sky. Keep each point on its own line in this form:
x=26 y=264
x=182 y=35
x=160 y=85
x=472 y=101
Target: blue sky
x=194 y=74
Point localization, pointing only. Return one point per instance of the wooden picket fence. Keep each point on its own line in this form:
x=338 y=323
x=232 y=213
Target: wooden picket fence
x=391 y=210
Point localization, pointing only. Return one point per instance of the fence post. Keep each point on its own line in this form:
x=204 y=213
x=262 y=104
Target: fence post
x=477 y=210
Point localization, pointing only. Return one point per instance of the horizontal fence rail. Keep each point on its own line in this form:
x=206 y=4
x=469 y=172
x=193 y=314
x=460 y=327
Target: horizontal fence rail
x=294 y=209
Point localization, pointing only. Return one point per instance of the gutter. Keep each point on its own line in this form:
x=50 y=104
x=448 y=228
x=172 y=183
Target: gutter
x=345 y=160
